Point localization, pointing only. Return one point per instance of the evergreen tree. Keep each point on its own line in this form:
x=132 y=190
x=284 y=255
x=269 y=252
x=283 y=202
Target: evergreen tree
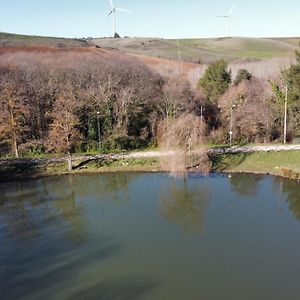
x=215 y=81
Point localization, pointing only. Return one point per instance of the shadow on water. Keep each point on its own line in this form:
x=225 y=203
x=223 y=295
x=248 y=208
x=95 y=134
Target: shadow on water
x=27 y=207
x=290 y=192
x=245 y=185
x=121 y=289
x=42 y=277
x=46 y=218
x=185 y=205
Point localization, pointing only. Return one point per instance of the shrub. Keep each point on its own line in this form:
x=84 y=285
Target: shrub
x=32 y=148
x=123 y=142
x=242 y=74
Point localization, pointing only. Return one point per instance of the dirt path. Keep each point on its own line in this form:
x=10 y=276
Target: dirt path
x=148 y=154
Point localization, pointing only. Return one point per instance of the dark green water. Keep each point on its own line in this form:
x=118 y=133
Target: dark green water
x=150 y=236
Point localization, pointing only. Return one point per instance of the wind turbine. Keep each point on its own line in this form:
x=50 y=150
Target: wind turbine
x=113 y=12
x=228 y=18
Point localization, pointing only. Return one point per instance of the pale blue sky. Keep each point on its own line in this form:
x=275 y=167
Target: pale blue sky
x=150 y=18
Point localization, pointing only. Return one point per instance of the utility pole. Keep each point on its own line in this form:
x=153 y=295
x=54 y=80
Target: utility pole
x=285 y=114
x=231 y=125
x=99 y=129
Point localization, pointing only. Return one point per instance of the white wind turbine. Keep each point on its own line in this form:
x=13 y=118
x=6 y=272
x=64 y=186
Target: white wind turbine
x=228 y=18
x=113 y=12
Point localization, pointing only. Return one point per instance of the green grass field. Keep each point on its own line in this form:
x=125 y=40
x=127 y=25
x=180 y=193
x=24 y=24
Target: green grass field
x=205 y=50
x=285 y=163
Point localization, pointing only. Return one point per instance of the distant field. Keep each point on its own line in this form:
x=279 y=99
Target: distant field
x=162 y=54
x=14 y=40
x=205 y=50
x=191 y=50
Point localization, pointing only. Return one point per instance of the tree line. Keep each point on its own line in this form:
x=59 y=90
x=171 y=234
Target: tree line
x=80 y=102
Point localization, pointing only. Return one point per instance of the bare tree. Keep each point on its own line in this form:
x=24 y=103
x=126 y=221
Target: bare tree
x=64 y=131
x=183 y=137
x=248 y=108
x=177 y=98
x=12 y=114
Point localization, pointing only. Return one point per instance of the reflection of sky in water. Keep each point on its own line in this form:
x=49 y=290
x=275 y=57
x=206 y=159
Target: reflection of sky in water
x=150 y=236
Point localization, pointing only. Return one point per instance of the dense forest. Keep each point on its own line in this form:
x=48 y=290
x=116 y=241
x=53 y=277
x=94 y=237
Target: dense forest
x=64 y=102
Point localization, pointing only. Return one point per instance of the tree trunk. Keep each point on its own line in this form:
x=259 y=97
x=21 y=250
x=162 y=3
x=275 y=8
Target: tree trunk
x=15 y=145
x=70 y=167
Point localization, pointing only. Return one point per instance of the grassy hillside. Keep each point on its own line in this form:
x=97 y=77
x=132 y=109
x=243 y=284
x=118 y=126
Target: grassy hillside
x=12 y=40
x=205 y=50
x=192 y=50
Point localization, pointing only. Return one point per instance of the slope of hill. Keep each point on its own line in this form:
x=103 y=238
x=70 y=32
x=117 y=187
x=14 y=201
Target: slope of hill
x=191 y=50
x=12 y=43
x=205 y=50
x=14 y=40
x=162 y=54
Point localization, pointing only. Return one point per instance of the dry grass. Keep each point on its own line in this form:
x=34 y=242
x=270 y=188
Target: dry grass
x=167 y=67
x=268 y=69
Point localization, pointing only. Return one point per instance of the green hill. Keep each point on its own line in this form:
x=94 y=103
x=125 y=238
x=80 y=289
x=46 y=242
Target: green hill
x=193 y=50
x=14 y=40
x=205 y=50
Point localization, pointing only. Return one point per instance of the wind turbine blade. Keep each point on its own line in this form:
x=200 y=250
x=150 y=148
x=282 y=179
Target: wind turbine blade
x=231 y=10
x=110 y=12
x=111 y=3
x=221 y=16
x=124 y=10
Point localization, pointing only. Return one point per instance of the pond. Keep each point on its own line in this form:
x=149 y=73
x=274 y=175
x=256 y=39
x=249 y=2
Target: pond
x=150 y=236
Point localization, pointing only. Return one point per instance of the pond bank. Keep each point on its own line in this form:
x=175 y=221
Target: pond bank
x=275 y=160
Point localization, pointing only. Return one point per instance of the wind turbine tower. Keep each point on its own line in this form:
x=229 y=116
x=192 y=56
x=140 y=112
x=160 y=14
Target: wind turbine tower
x=228 y=19
x=113 y=12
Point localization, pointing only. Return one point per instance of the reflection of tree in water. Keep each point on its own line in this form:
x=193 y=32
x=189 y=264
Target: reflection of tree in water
x=70 y=210
x=185 y=206
x=25 y=209
x=114 y=185
x=48 y=267
x=291 y=189
x=245 y=185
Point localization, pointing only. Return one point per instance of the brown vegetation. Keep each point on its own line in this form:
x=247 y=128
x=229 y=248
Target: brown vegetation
x=80 y=84
x=252 y=112
x=92 y=99
x=168 y=67
x=183 y=136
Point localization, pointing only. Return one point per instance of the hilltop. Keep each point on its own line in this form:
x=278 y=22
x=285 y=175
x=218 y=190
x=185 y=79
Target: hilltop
x=205 y=50
x=17 y=40
x=192 y=50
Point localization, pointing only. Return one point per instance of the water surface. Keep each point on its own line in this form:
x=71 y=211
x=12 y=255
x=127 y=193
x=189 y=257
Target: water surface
x=150 y=236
